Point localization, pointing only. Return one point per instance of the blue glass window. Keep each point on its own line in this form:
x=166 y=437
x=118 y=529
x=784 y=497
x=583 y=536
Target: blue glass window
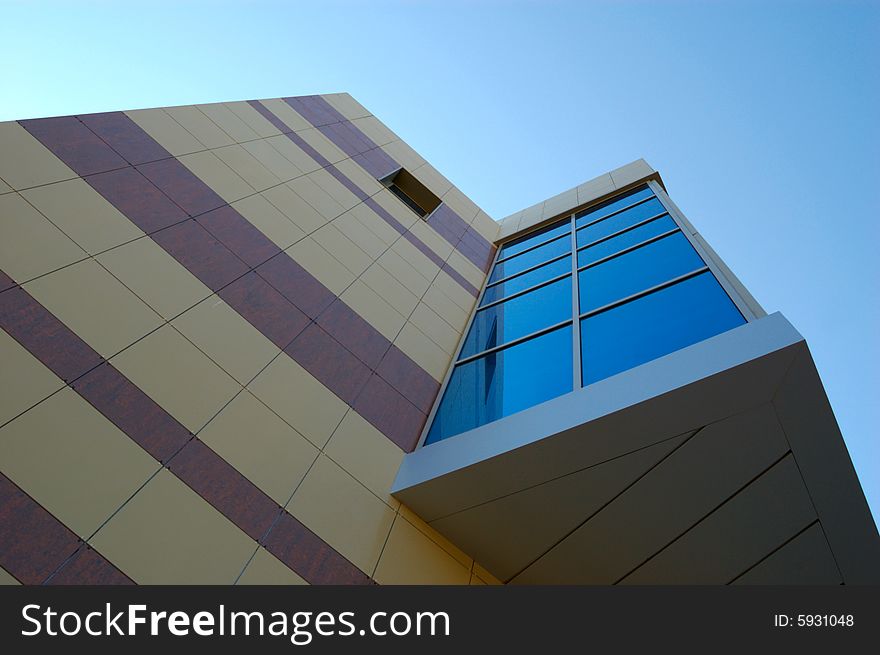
x=655 y=325
x=595 y=213
x=539 y=255
x=526 y=280
x=518 y=245
x=636 y=271
x=619 y=221
x=519 y=316
x=504 y=382
x=627 y=246
x=621 y=241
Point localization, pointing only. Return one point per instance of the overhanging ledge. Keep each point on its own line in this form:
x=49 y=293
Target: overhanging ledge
x=473 y=487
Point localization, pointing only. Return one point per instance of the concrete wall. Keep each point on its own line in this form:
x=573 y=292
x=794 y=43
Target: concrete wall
x=220 y=335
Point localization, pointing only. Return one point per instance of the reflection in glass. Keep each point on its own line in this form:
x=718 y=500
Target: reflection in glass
x=518 y=245
x=621 y=241
x=595 y=213
x=504 y=382
x=655 y=325
x=539 y=255
x=636 y=271
x=519 y=316
x=526 y=280
x=619 y=221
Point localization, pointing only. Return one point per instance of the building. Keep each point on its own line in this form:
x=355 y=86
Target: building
x=240 y=345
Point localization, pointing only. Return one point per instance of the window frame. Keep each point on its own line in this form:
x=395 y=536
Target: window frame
x=682 y=225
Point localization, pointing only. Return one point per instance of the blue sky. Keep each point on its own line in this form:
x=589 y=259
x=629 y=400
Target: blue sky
x=758 y=115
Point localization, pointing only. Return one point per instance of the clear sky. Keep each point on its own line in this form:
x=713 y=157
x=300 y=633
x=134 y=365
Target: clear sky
x=757 y=114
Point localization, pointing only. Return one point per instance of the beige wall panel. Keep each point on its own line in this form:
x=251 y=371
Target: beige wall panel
x=334 y=188
x=595 y=188
x=25 y=162
x=167 y=534
x=298 y=398
x=404 y=155
x=30 y=244
x=352 y=225
x=212 y=171
x=435 y=328
x=342 y=248
x=455 y=292
x=254 y=119
x=166 y=131
x=411 y=558
x=431 y=238
x=372 y=308
x=229 y=122
x=416 y=258
x=155 y=276
x=200 y=126
x=83 y=215
x=286 y=114
x=293 y=153
x=404 y=272
x=353 y=171
x=300 y=213
x=316 y=197
x=432 y=178
x=73 y=461
x=95 y=305
x=178 y=376
x=267 y=218
x=485 y=226
x=467 y=269
x=366 y=454
x=461 y=204
x=325 y=147
x=423 y=351
x=227 y=338
x=450 y=312
x=6 y=579
x=265 y=449
x=265 y=568
x=23 y=378
x=346 y=105
x=343 y=512
x=393 y=205
x=390 y=289
x=321 y=264
x=276 y=163
x=632 y=172
x=375 y=130
x=560 y=204
x=247 y=167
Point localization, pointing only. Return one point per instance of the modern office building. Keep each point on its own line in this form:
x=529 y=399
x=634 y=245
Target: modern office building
x=266 y=342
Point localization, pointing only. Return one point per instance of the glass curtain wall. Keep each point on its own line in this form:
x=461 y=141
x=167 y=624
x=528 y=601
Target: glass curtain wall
x=594 y=294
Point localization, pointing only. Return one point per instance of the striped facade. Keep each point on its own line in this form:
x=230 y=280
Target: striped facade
x=221 y=334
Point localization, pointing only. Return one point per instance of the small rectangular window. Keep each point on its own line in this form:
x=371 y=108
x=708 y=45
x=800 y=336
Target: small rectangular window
x=411 y=192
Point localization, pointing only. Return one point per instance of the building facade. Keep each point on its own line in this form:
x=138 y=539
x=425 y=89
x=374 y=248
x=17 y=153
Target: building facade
x=266 y=342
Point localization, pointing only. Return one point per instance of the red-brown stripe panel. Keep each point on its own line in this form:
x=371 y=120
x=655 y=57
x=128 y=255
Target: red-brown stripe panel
x=36 y=548
x=370 y=202
x=357 y=145
x=159 y=434
x=229 y=255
